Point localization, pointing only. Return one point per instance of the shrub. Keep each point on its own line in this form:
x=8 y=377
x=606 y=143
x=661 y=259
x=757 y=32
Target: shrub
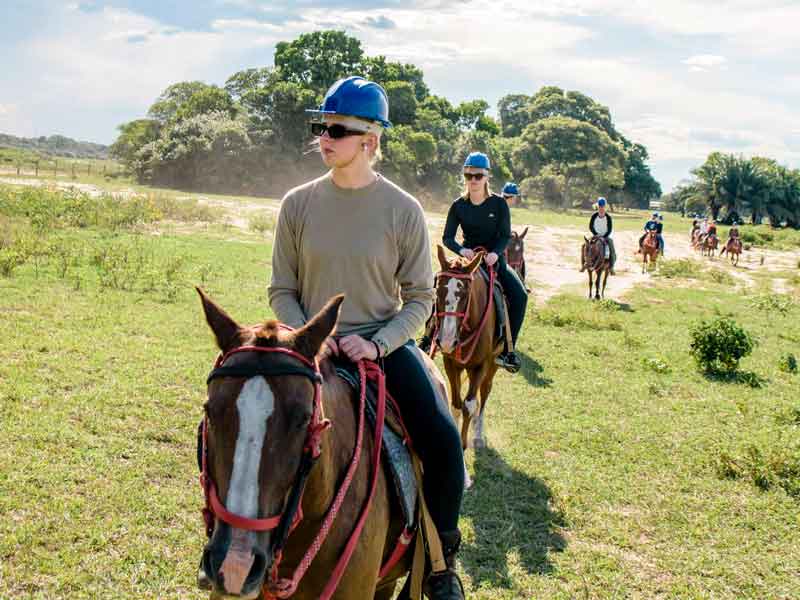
x=721 y=277
x=718 y=345
x=781 y=303
x=788 y=363
x=683 y=267
x=656 y=364
x=262 y=223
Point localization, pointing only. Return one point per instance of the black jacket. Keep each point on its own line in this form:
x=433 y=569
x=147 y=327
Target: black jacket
x=487 y=225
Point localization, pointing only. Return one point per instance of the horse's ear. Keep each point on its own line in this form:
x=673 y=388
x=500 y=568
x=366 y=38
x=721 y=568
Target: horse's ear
x=443 y=262
x=524 y=233
x=309 y=338
x=474 y=263
x=226 y=330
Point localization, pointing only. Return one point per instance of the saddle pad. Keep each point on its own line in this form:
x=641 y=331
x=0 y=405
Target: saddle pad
x=395 y=452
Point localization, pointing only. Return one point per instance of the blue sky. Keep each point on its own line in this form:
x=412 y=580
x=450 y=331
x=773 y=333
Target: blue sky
x=684 y=77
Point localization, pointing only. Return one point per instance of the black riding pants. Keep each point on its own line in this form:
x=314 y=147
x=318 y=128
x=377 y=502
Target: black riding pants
x=516 y=295
x=433 y=433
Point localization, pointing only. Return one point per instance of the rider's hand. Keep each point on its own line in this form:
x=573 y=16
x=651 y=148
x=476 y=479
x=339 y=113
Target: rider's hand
x=329 y=346
x=467 y=253
x=490 y=258
x=357 y=348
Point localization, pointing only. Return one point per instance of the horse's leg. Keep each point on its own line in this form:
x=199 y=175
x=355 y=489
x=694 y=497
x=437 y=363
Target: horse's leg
x=605 y=279
x=589 y=271
x=479 y=440
x=471 y=407
x=454 y=371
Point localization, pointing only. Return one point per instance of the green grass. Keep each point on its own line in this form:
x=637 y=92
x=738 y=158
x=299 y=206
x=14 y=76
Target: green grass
x=614 y=470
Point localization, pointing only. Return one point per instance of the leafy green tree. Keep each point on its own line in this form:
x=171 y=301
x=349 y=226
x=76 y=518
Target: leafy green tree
x=316 y=60
x=378 y=69
x=133 y=136
x=514 y=114
x=583 y=156
x=169 y=102
x=402 y=102
x=470 y=113
x=552 y=101
x=211 y=99
x=640 y=186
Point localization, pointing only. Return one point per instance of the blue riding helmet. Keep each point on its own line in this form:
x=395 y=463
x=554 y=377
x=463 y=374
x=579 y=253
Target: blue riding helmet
x=477 y=160
x=355 y=97
x=601 y=201
x=511 y=189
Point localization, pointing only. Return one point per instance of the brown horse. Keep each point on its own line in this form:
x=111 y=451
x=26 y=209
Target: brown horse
x=695 y=239
x=708 y=246
x=515 y=253
x=264 y=422
x=593 y=255
x=465 y=332
x=734 y=248
x=649 y=251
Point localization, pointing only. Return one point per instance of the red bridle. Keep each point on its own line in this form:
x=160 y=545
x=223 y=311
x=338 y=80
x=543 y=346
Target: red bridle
x=471 y=340
x=312 y=445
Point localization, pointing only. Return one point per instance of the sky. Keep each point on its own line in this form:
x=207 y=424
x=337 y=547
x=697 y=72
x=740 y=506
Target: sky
x=682 y=77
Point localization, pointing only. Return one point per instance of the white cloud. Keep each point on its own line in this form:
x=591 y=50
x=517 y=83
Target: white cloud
x=700 y=63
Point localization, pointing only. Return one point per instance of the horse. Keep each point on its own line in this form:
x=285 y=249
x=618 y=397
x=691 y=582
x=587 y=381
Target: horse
x=265 y=451
x=593 y=254
x=515 y=253
x=465 y=332
x=709 y=245
x=649 y=251
x=734 y=248
x=695 y=238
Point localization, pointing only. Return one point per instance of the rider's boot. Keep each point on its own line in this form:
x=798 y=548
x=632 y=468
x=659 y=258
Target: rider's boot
x=446 y=585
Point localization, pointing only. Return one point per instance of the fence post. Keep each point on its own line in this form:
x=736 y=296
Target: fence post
x=55 y=168
x=73 y=170
x=36 y=167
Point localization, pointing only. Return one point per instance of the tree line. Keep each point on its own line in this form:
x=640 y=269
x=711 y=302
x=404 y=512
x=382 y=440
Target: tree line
x=251 y=135
x=735 y=188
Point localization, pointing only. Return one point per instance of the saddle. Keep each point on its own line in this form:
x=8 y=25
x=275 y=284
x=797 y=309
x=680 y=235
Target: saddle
x=501 y=309
x=396 y=455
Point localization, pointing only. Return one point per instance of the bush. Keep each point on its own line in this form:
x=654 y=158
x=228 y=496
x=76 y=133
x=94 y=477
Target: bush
x=721 y=277
x=656 y=364
x=718 y=345
x=788 y=363
x=767 y=467
x=262 y=223
x=683 y=267
x=781 y=303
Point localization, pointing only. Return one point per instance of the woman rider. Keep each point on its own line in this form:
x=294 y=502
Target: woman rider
x=485 y=222
x=511 y=193
x=353 y=231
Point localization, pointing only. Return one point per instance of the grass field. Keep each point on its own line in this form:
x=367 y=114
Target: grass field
x=614 y=470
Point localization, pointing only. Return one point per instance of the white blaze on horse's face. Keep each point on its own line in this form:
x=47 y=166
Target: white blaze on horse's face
x=255 y=405
x=448 y=335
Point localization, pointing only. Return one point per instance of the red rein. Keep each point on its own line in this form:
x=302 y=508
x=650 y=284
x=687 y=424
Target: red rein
x=471 y=342
x=276 y=587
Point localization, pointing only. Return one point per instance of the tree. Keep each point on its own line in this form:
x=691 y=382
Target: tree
x=169 y=102
x=317 y=60
x=514 y=114
x=402 y=102
x=379 y=70
x=470 y=113
x=640 y=186
x=133 y=136
x=585 y=157
x=207 y=100
x=551 y=101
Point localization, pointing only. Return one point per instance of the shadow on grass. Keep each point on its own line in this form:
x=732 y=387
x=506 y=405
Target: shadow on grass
x=532 y=371
x=511 y=513
x=754 y=380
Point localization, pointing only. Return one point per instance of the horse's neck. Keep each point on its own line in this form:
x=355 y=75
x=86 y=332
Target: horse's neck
x=337 y=445
x=479 y=296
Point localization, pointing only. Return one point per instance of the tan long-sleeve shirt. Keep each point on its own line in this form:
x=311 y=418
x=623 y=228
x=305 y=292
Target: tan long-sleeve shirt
x=370 y=244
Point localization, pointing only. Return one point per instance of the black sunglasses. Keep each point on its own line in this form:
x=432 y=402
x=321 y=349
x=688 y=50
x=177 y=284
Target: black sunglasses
x=475 y=176
x=335 y=131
